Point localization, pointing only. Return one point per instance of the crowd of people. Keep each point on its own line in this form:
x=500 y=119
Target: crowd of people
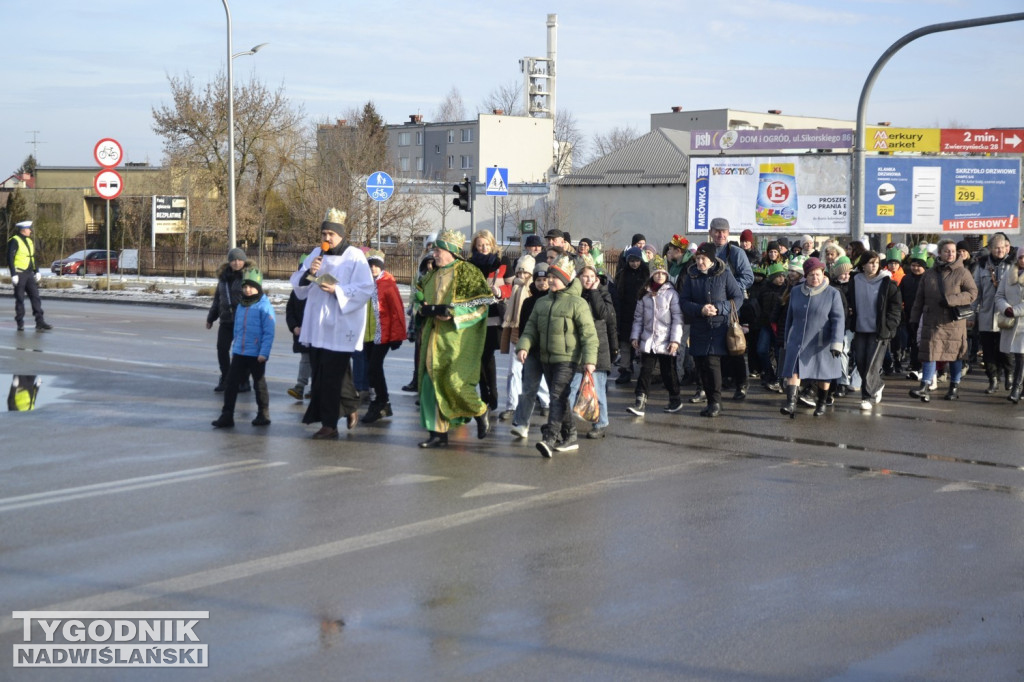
x=814 y=322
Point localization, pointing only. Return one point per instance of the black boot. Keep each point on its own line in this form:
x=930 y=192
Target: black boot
x=1018 y=383
x=698 y=397
x=436 y=440
x=483 y=425
x=789 y=407
x=954 y=391
x=625 y=376
x=224 y=421
x=819 y=405
x=993 y=386
x=640 y=407
x=376 y=411
x=924 y=391
x=219 y=388
x=712 y=410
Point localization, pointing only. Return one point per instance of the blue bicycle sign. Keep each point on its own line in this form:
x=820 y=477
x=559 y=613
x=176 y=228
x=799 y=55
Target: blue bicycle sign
x=380 y=186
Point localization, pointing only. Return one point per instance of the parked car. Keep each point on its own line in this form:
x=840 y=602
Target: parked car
x=95 y=263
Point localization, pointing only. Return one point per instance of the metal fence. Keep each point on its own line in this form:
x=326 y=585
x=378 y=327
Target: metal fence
x=281 y=263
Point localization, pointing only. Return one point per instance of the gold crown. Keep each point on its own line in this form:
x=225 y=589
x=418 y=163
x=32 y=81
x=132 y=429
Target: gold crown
x=335 y=216
x=451 y=240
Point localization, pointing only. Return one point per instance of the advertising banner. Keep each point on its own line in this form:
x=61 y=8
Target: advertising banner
x=930 y=194
x=169 y=215
x=805 y=194
x=768 y=140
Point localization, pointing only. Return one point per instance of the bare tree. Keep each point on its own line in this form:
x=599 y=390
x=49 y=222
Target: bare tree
x=194 y=128
x=603 y=144
x=569 y=141
x=507 y=98
x=451 y=108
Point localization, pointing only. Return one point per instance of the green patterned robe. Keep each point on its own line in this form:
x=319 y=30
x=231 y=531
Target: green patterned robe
x=450 y=350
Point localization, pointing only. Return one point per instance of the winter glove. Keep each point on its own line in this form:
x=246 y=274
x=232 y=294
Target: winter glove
x=1008 y=312
x=395 y=345
x=14 y=280
x=836 y=353
x=38 y=277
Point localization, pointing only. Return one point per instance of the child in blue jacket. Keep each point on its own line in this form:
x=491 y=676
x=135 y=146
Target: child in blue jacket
x=254 y=335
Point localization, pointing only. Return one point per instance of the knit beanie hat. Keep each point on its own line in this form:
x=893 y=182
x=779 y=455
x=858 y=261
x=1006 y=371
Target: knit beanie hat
x=772 y=246
x=812 y=264
x=747 y=235
x=634 y=252
x=842 y=266
x=526 y=263
x=563 y=269
x=236 y=254
x=637 y=238
x=707 y=249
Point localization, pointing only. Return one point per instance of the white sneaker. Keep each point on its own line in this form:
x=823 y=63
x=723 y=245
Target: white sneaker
x=865 y=404
x=521 y=432
x=877 y=397
x=935 y=384
x=914 y=375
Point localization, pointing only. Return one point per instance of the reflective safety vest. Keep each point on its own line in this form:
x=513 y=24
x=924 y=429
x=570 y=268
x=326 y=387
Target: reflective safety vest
x=25 y=256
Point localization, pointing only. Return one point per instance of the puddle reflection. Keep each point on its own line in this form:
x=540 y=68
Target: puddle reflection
x=28 y=392
x=23 y=393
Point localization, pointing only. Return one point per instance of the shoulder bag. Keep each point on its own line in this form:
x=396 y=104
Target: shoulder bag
x=735 y=339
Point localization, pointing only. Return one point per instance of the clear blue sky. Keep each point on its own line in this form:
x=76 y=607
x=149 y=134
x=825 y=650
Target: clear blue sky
x=77 y=72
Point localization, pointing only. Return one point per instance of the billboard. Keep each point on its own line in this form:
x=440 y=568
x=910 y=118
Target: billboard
x=805 y=194
x=931 y=194
x=169 y=215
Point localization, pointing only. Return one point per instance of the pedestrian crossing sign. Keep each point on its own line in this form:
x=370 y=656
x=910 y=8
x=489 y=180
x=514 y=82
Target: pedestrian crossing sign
x=497 y=182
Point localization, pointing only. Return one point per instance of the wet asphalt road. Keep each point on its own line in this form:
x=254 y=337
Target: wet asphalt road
x=856 y=546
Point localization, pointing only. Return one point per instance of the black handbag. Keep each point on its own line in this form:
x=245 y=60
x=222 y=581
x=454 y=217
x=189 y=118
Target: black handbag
x=962 y=312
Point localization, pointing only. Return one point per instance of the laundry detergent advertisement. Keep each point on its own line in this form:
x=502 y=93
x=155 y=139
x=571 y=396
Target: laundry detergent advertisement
x=806 y=194
x=978 y=195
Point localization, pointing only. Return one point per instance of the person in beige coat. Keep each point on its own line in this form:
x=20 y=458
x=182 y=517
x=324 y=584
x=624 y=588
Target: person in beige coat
x=942 y=337
x=1009 y=309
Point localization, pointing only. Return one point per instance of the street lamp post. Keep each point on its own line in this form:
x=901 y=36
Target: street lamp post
x=231 y=127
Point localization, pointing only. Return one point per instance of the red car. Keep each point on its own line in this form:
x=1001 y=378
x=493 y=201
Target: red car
x=94 y=260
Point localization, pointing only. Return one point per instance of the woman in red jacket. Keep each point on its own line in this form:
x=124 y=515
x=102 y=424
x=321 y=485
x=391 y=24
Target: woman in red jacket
x=385 y=330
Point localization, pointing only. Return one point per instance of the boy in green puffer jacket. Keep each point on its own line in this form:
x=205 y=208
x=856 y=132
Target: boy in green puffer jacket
x=562 y=329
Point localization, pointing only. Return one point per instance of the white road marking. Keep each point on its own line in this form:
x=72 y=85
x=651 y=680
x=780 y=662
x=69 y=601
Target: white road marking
x=497 y=489
x=404 y=479
x=323 y=471
x=329 y=550
x=128 y=484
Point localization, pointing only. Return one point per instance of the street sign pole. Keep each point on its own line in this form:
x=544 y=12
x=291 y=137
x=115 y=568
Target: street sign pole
x=108 y=246
x=378 y=225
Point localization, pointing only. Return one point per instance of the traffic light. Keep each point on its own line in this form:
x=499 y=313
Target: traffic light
x=464 y=200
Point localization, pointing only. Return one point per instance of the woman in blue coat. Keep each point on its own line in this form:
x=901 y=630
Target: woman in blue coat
x=707 y=295
x=815 y=329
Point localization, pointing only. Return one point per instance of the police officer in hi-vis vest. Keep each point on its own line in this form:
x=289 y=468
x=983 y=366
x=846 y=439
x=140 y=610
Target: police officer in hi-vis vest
x=21 y=260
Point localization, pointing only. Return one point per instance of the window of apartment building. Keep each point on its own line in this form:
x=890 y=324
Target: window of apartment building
x=467 y=161
x=437 y=149
x=419 y=164
x=404 y=139
x=451 y=161
x=467 y=134
x=451 y=136
x=419 y=137
x=403 y=163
